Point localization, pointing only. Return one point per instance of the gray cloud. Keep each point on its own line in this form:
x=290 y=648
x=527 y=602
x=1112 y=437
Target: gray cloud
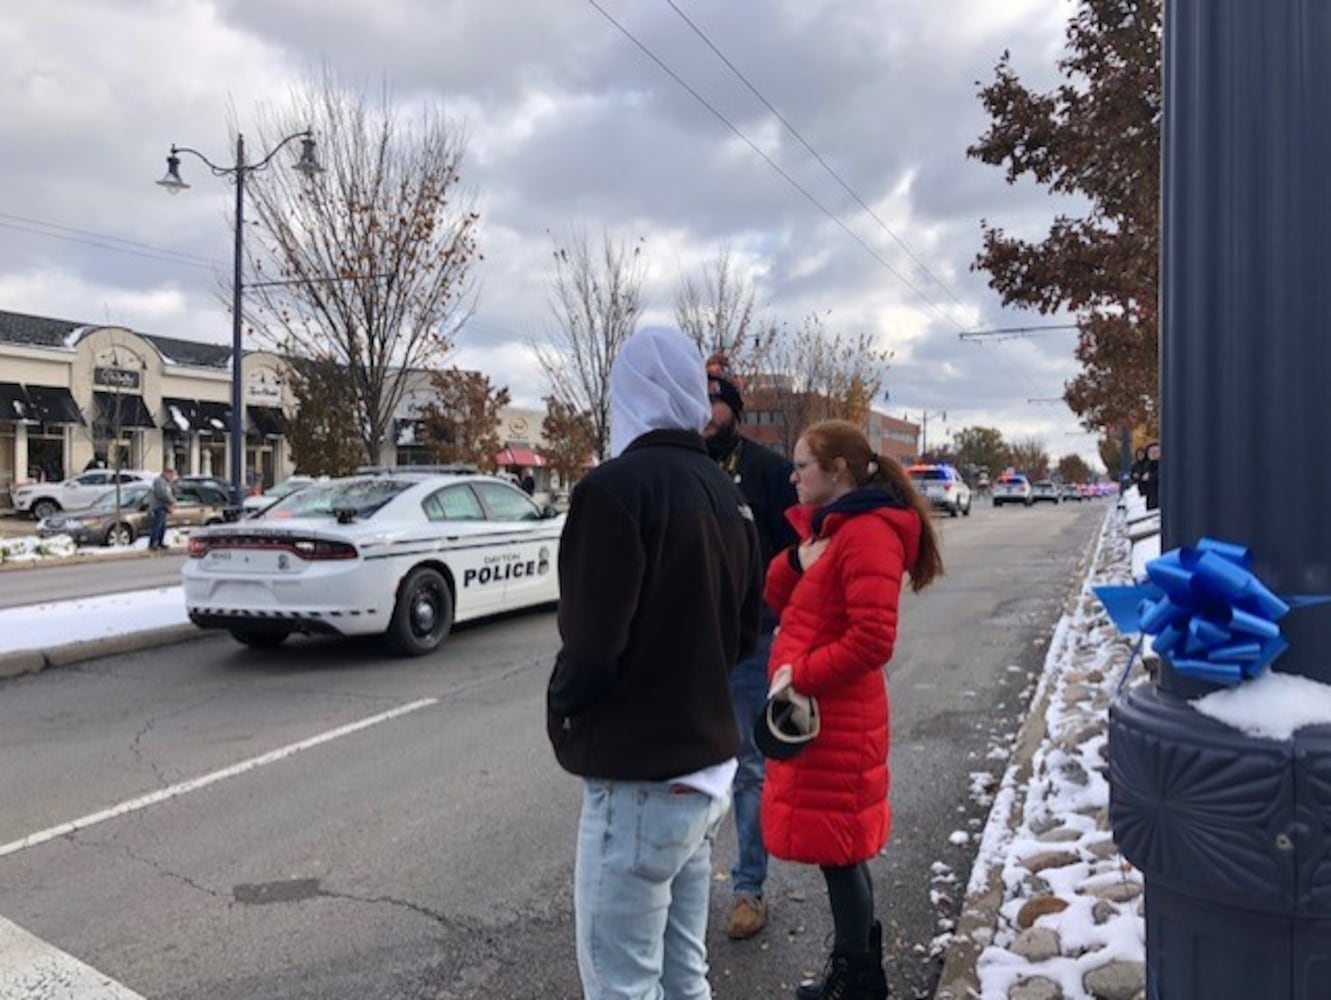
x=569 y=124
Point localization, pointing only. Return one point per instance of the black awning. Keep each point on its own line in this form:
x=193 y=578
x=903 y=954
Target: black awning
x=122 y=409
x=266 y=420
x=214 y=418
x=15 y=405
x=53 y=405
x=182 y=415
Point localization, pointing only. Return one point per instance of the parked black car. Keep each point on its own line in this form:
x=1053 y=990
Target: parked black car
x=234 y=494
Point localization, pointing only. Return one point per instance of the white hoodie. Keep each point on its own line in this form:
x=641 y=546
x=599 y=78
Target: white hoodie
x=657 y=382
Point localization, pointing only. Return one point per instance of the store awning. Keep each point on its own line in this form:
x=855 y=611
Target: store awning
x=214 y=418
x=53 y=405
x=195 y=416
x=265 y=420
x=15 y=406
x=516 y=455
x=122 y=409
x=182 y=415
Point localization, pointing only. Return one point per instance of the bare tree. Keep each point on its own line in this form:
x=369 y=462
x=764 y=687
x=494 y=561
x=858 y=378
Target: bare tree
x=812 y=374
x=597 y=299
x=369 y=265
x=715 y=309
x=1030 y=456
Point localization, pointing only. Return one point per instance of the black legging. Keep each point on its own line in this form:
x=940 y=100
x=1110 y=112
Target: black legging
x=850 y=891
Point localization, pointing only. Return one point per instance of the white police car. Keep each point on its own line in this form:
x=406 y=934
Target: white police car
x=400 y=553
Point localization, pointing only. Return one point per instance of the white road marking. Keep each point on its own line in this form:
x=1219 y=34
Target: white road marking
x=194 y=784
x=31 y=969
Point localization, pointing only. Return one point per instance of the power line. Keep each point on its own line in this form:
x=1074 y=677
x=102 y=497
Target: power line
x=104 y=236
x=772 y=163
x=106 y=246
x=815 y=154
x=1009 y=332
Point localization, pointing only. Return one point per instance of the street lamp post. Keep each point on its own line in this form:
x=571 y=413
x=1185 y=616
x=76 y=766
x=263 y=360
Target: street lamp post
x=924 y=429
x=308 y=165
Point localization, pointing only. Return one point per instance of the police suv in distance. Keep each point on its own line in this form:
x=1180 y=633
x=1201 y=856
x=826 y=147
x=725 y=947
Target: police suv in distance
x=399 y=553
x=1012 y=487
x=943 y=487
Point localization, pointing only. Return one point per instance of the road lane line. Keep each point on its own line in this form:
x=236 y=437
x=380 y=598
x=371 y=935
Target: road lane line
x=31 y=969
x=194 y=784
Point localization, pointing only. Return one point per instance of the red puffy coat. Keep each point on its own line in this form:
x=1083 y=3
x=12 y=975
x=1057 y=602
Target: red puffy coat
x=828 y=805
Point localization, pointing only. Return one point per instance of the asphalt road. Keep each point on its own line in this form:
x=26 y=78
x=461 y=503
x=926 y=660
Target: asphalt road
x=430 y=854
x=54 y=581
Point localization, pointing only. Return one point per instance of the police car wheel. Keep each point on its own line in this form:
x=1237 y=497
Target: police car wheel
x=423 y=614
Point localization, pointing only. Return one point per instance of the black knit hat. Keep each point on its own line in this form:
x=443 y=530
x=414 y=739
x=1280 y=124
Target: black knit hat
x=722 y=383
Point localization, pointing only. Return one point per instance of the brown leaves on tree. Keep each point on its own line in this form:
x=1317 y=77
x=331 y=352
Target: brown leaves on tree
x=323 y=433
x=462 y=421
x=570 y=439
x=1095 y=137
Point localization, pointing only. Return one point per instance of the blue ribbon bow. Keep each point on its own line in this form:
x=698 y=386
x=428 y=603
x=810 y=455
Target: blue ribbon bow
x=1209 y=613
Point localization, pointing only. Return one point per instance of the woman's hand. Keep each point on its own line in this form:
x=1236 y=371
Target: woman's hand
x=811 y=551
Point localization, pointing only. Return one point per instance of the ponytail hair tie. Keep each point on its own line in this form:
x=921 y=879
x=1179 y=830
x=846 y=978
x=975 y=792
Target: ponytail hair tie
x=872 y=467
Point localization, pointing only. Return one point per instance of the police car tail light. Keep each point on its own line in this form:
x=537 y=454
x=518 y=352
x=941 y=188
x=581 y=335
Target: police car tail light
x=198 y=548
x=314 y=549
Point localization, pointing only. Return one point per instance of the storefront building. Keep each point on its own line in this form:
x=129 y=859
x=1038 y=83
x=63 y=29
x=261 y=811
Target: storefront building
x=74 y=395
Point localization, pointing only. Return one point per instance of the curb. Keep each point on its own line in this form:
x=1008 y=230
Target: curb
x=959 y=978
x=32 y=661
x=18 y=565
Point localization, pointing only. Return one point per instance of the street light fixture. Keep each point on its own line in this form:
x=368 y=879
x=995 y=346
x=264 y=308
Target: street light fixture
x=308 y=165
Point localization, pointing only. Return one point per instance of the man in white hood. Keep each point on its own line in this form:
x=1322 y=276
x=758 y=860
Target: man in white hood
x=660 y=590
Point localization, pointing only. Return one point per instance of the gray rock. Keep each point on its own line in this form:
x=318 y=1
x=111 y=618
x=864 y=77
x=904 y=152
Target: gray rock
x=1103 y=910
x=1037 y=944
x=1072 y=771
x=1050 y=859
x=1117 y=980
x=1063 y=835
x=1038 y=988
x=1119 y=892
x=1102 y=850
x=1044 y=824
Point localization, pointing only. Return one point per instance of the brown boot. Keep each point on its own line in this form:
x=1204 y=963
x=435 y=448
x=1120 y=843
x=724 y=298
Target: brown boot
x=748 y=916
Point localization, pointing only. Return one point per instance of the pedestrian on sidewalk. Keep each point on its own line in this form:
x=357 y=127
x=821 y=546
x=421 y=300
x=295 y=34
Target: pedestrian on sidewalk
x=1149 y=482
x=863 y=526
x=660 y=584
x=764 y=478
x=161 y=501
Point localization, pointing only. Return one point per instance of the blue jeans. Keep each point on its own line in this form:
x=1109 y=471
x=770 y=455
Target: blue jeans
x=156 y=526
x=748 y=688
x=641 y=884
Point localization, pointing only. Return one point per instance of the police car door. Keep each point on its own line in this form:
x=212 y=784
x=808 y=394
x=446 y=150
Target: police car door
x=471 y=546
x=529 y=561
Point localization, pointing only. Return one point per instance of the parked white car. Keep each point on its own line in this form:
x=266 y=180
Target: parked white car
x=402 y=554
x=41 y=500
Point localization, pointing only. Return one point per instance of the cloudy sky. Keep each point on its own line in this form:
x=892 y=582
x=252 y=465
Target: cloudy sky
x=569 y=123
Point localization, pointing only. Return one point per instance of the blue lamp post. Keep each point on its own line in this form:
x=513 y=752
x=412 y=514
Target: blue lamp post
x=1233 y=832
x=309 y=166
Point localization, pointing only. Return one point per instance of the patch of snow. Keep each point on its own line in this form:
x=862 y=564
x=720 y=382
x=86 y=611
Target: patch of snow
x=1272 y=706
x=41 y=626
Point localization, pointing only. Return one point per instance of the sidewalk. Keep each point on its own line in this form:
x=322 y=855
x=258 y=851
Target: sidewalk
x=1052 y=911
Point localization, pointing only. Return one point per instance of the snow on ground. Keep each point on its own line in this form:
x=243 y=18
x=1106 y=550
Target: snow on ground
x=31 y=549
x=43 y=626
x=1070 y=924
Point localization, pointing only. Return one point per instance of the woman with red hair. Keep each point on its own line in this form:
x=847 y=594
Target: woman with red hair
x=862 y=527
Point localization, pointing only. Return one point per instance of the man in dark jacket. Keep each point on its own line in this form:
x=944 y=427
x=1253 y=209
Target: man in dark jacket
x=660 y=589
x=764 y=477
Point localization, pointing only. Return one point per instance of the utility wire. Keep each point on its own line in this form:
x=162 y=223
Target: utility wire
x=773 y=164
x=105 y=237
x=106 y=246
x=816 y=155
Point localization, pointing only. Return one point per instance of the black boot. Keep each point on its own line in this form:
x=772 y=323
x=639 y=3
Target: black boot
x=850 y=977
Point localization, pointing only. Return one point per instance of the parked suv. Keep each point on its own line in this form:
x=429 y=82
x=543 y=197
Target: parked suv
x=943 y=487
x=44 y=499
x=106 y=523
x=1012 y=487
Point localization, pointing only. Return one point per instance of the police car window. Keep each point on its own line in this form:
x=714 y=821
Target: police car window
x=361 y=496
x=930 y=474
x=453 y=503
x=507 y=504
